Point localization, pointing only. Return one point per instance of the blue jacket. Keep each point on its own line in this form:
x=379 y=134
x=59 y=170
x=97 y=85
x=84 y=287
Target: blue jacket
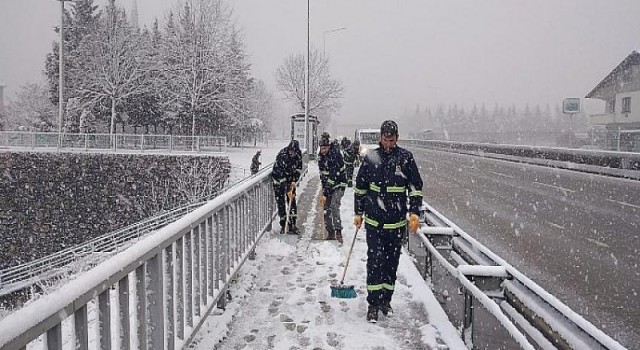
x=332 y=169
x=384 y=184
x=287 y=167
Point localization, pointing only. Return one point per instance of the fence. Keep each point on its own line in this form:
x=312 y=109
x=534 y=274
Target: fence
x=489 y=301
x=171 y=280
x=112 y=142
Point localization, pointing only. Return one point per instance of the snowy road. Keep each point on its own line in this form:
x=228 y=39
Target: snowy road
x=282 y=299
x=573 y=233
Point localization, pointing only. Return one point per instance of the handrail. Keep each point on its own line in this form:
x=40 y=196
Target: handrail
x=173 y=278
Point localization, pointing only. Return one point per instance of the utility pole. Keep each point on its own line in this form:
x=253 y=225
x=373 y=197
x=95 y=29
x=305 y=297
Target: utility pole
x=61 y=74
x=306 y=88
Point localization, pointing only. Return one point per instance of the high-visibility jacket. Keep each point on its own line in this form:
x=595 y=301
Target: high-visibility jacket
x=332 y=168
x=384 y=184
x=287 y=168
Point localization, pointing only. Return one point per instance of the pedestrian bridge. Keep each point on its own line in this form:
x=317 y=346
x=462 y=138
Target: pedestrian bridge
x=220 y=277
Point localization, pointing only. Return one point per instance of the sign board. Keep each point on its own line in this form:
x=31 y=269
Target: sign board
x=571 y=105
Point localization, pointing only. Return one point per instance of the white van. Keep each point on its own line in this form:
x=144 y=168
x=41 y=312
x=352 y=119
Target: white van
x=369 y=139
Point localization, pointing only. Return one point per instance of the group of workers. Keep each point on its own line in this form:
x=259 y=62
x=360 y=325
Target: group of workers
x=387 y=200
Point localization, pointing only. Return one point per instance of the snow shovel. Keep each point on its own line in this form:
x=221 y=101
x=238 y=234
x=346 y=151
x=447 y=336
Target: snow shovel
x=340 y=290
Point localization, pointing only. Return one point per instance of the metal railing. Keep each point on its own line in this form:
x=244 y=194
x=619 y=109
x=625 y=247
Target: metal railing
x=489 y=301
x=85 y=255
x=142 y=143
x=172 y=279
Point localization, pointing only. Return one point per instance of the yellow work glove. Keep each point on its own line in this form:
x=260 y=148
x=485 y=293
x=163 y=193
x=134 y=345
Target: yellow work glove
x=290 y=195
x=293 y=186
x=414 y=223
x=357 y=220
x=323 y=200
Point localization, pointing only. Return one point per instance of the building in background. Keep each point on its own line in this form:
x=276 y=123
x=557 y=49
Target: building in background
x=618 y=128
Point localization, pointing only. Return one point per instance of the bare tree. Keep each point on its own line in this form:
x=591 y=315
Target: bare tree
x=114 y=65
x=324 y=91
x=200 y=60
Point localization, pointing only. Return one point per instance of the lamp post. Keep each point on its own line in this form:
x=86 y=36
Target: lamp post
x=324 y=37
x=306 y=88
x=61 y=73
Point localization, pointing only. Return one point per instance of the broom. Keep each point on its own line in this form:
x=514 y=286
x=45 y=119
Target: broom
x=286 y=225
x=341 y=290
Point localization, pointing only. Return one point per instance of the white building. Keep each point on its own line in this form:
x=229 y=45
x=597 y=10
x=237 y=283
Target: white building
x=619 y=127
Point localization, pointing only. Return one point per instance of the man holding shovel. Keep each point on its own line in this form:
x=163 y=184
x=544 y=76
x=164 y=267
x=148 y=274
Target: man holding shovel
x=285 y=175
x=388 y=178
x=331 y=167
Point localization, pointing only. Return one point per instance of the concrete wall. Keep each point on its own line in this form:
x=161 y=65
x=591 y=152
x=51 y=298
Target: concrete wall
x=51 y=201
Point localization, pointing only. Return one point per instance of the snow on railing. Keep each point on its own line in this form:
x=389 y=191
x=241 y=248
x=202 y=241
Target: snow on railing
x=85 y=255
x=170 y=279
x=501 y=289
x=138 y=143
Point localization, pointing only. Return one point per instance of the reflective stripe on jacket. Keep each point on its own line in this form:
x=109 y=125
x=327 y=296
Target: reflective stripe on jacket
x=384 y=184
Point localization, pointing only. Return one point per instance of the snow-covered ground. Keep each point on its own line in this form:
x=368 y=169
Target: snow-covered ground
x=282 y=300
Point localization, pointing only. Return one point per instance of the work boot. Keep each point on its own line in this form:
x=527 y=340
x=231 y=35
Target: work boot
x=386 y=309
x=293 y=230
x=331 y=235
x=339 y=235
x=372 y=314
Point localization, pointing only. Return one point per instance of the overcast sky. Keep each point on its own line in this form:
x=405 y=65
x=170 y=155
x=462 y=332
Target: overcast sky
x=396 y=54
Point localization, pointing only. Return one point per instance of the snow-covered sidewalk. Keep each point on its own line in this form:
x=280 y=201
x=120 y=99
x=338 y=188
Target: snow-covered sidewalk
x=282 y=300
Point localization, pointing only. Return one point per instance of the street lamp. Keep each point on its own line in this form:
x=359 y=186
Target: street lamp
x=306 y=88
x=324 y=36
x=61 y=72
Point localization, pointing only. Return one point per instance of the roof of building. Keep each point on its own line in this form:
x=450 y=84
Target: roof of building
x=631 y=60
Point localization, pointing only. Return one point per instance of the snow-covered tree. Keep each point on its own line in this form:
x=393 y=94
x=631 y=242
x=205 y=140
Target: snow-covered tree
x=324 y=90
x=79 y=21
x=203 y=64
x=113 y=65
x=31 y=110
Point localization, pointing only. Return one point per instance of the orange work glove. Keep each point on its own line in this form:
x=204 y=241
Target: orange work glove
x=357 y=220
x=414 y=223
x=293 y=186
x=323 y=200
x=290 y=195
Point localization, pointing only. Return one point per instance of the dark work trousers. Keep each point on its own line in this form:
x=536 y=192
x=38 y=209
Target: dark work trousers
x=348 y=171
x=282 y=201
x=332 y=211
x=383 y=256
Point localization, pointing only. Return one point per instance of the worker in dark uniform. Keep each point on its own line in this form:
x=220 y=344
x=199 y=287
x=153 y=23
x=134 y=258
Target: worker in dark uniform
x=255 y=163
x=332 y=165
x=349 y=157
x=356 y=150
x=286 y=173
x=387 y=180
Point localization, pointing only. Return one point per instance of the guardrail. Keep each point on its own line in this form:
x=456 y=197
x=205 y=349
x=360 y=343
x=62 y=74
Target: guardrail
x=492 y=303
x=611 y=163
x=146 y=143
x=172 y=279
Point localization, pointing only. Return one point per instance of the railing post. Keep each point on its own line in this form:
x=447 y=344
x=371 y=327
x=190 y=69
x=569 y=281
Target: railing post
x=467 y=327
x=155 y=297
